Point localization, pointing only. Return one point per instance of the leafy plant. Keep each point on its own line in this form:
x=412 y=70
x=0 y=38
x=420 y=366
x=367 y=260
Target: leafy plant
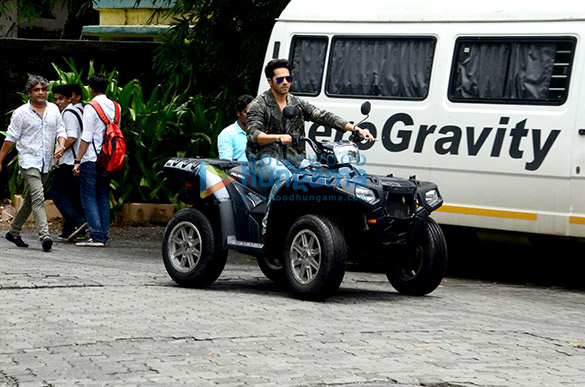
x=157 y=128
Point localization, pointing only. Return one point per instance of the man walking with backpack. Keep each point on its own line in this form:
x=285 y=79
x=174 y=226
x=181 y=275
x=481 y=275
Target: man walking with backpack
x=94 y=181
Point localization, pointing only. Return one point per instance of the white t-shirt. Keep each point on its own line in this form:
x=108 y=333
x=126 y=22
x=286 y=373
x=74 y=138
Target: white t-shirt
x=73 y=129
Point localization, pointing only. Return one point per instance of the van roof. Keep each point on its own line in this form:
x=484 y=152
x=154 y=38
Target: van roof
x=432 y=10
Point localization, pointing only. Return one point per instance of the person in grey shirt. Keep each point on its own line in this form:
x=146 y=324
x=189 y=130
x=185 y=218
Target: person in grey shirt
x=34 y=127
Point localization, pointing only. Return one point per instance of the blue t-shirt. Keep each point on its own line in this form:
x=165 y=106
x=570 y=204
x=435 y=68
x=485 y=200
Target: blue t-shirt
x=231 y=143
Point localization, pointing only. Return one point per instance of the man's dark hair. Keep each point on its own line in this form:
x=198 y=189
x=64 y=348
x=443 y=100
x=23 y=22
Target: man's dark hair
x=275 y=64
x=76 y=88
x=99 y=83
x=243 y=101
x=64 y=90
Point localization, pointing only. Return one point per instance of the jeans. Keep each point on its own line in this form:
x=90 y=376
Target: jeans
x=65 y=195
x=34 y=201
x=271 y=169
x=95 y=198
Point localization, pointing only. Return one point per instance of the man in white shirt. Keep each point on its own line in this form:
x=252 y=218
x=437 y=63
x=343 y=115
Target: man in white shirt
x=94 y=183
x=34 y=127
x=65 y=188
x=76 y=97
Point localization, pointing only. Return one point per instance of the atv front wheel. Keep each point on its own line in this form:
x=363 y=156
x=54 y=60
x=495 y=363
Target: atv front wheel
x=422 y=269
x=191 y=253
x=315 y=254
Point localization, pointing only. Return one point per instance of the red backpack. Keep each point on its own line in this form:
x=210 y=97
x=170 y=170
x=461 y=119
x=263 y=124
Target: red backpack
x=113 y=152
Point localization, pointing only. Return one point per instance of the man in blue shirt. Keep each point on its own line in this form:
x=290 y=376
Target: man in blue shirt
x=232 y=141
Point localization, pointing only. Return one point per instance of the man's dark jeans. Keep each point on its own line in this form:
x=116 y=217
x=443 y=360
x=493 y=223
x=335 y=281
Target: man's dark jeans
x=95 y=197
x=65 y=195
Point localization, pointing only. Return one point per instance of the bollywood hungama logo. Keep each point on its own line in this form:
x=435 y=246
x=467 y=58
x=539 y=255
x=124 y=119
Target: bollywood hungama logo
x=299 y=176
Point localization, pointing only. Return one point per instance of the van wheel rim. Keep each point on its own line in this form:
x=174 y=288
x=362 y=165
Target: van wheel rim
x=184 y=247
x=305 y=254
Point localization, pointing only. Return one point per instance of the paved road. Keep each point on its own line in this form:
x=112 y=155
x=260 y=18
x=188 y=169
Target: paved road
x=112 y=316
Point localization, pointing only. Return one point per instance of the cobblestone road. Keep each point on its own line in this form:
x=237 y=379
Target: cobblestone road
x=112 y=316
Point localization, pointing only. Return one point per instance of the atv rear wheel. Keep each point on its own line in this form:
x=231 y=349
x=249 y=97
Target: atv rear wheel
x=191 y=253
x=422 y=270
x=315 y=255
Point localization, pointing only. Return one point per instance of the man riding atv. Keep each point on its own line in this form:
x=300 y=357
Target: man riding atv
x=270 y=144
x=330 y=214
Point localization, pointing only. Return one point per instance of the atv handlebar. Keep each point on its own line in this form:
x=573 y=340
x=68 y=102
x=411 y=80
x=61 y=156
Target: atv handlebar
x=290 y=113
x=356 y=136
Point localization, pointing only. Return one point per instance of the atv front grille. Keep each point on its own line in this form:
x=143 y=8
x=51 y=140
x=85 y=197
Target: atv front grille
x=398 y=205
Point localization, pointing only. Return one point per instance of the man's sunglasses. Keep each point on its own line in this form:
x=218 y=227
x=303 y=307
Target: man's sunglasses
x=279 y=80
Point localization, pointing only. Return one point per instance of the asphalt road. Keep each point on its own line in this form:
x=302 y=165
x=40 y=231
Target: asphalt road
x=112 y=316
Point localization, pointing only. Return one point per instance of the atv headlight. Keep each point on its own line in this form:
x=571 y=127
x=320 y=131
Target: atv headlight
x=365 y=194
x=432 y=198
x=347 y=153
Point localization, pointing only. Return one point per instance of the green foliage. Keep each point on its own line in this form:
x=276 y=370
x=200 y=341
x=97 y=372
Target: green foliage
x=216 y=49
x=164 y=125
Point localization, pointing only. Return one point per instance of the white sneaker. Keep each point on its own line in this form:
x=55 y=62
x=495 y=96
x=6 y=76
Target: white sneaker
x=90 y=243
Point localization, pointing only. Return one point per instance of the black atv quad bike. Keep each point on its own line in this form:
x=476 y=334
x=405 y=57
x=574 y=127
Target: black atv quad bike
x=330 y=213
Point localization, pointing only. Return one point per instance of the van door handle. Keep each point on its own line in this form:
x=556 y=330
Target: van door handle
x=582 y=132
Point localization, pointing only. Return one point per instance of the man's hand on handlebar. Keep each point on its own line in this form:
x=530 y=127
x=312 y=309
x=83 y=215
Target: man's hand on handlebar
x=365 y=133
x=283 y=139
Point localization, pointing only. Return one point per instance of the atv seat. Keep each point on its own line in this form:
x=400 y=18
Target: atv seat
x=250 y=179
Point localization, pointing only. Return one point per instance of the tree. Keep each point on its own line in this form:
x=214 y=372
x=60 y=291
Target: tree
x=217 y=48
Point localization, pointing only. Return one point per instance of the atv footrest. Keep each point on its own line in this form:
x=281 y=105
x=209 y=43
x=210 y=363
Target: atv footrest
x=244 y=246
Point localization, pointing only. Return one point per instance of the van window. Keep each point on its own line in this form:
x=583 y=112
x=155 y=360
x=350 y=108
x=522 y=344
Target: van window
x=512 y=70
x=380 y=67
x=307 y=59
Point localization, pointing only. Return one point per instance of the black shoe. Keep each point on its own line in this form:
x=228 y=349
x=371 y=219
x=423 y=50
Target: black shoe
x=62 y=238
x=47 y=243
x=78 y=230
x=17 y=241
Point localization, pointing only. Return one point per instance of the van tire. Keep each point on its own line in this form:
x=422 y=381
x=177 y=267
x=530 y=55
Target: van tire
x=314 y=257
x=191 y=252
x=421 y=270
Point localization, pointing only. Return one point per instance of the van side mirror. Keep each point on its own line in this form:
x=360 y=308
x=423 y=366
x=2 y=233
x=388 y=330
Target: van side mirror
x=290 y=112
x=366 y=108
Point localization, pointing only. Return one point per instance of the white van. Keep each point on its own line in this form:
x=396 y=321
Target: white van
x=483 y=99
